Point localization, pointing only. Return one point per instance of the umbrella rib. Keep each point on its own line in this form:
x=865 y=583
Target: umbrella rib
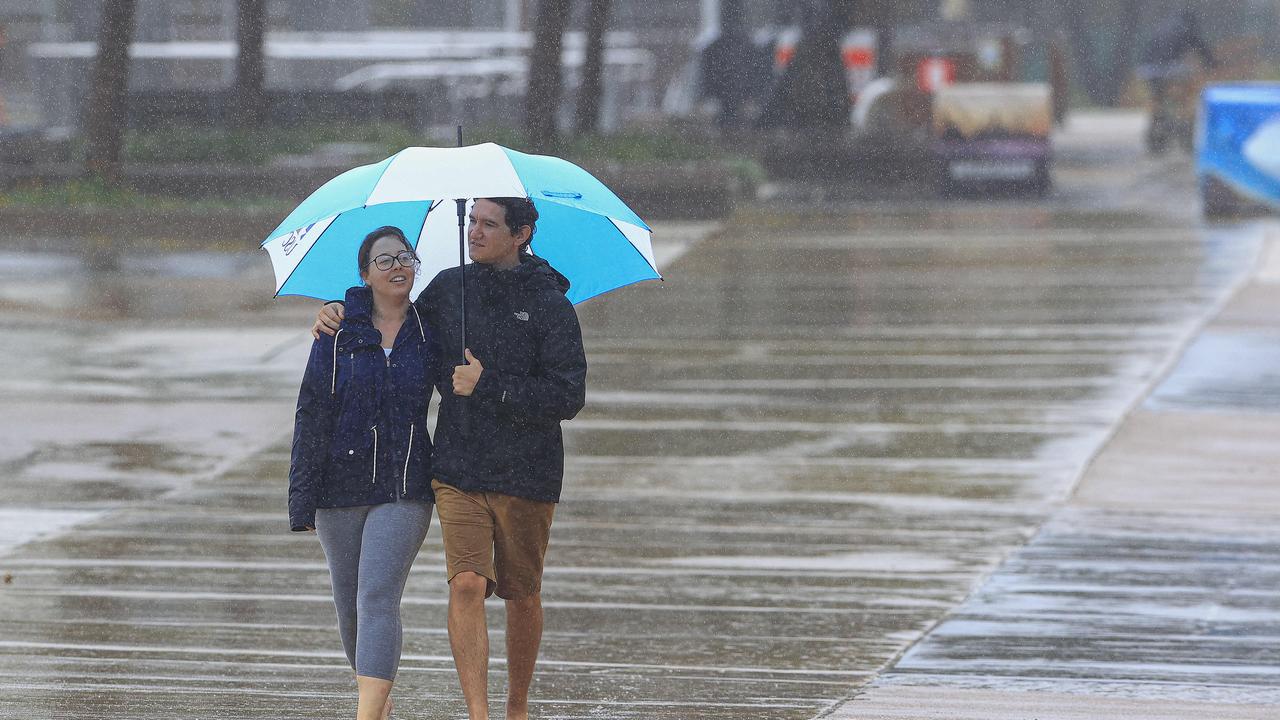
x=625 y=284
x=601 y=213
x=390 y=161
x=353 y=207
x=423 y=227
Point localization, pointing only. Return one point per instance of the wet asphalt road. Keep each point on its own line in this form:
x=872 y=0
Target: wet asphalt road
x=798 y=454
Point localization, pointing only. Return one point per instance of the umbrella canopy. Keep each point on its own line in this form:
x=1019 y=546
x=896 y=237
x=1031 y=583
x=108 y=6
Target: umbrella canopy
x=584 y=230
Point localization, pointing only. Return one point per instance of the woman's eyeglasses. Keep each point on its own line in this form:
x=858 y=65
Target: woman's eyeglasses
x=404 y=257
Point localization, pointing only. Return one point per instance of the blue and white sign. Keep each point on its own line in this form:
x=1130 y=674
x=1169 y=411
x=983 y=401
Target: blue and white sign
x=1239 y=143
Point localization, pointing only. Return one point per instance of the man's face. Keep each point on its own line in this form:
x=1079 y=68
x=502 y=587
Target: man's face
x=489 y=240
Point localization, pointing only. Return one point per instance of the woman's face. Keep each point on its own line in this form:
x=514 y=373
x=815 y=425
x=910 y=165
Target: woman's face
x=385 y=272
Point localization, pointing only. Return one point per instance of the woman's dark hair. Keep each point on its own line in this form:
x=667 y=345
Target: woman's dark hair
x=519 y=212
x=362 y=257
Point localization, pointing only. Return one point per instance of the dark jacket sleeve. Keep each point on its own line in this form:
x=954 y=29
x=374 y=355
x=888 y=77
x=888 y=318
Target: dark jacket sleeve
x=1202 y=47
x=559 y=388
x=431 y=363
x=312 y=432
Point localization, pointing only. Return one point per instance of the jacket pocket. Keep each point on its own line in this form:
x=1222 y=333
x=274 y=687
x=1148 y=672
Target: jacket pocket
x=352 y=458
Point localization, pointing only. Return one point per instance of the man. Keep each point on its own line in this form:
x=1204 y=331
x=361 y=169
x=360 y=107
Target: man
x=1163 y=64
x=499 y=456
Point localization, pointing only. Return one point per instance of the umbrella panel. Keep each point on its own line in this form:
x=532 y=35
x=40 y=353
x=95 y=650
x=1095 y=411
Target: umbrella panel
x=585 y=247
x=589 y=250
x=330 y=266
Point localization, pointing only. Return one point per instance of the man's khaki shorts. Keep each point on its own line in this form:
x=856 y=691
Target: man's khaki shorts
x=501 y=537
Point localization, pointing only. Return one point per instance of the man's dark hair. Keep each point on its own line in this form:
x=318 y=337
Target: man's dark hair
x=362 y=257
x=519 y=212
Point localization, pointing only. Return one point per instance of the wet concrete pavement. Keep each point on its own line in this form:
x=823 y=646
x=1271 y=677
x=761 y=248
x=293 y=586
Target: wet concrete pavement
x=799 y=454
x=1152 y=593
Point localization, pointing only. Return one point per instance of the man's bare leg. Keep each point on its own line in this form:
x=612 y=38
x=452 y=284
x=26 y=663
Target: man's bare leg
x=469 y=639
x=524 y=635
x=374 y=697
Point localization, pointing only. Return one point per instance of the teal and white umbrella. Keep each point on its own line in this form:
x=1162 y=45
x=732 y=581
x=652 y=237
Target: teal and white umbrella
x=584 y=230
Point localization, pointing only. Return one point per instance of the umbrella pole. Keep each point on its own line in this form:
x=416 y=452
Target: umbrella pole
x=462 y=279
x=462 y=276
x=462 y=263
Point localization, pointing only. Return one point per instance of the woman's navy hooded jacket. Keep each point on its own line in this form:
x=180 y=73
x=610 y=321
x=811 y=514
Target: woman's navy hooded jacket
x=360 y=433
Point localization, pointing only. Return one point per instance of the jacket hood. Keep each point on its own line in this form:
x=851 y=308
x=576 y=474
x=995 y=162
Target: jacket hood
x=535 y=269
x=359 y=304
x=358 y=317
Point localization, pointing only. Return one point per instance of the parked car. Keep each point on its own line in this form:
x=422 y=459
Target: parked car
x=993 y=134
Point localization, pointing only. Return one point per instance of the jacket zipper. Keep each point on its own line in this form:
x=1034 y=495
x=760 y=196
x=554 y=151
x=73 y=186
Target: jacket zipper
x=333 y=383
x=375 y=454
x=404 y=481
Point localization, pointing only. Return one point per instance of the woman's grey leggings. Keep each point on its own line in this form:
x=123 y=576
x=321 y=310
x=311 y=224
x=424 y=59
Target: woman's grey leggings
x=370 y=549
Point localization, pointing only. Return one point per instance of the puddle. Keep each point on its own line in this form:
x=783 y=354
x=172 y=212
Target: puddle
x=22 y=525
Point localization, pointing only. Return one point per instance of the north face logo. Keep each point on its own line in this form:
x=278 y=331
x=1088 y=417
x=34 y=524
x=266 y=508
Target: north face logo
x=523 y=316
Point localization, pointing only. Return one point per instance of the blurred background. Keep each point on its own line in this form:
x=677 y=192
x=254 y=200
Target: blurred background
x=681 y=106
x=961 y=377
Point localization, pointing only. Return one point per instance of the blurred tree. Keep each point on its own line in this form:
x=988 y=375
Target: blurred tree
x=397 y=13
x=1102 y=39
x=104 y=114
x=813 y=92
x=542 y=96
x=591 y=89
x=250 y=104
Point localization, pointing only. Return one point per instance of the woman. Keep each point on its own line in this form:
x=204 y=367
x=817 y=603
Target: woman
x=361 y=467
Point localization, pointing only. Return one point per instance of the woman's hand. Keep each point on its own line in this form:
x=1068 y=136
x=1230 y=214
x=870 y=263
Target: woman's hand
x=328 y=319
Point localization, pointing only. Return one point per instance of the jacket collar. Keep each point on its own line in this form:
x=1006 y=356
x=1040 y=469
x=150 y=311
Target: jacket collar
x=531 y=270
x=358 y=306
x=357 y=321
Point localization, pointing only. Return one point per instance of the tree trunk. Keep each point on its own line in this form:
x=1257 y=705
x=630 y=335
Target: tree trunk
x=880 y=17
x=587 y=110
x=250 y=103
x=1103 y=74
x=1078 y=33
x=542 y=96
x=104 y=115
x=813 y=92
x=1121 y=65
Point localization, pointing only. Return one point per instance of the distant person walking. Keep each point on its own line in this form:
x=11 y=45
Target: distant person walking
x=499 y=460
x=1164 y=63
x=361 y=468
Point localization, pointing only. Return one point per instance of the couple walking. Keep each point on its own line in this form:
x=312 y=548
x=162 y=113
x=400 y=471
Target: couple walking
x=364 y=474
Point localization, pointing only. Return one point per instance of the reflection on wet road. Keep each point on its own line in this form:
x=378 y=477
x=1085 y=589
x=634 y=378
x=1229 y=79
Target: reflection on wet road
x=798 y=453
x=1225 y=371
